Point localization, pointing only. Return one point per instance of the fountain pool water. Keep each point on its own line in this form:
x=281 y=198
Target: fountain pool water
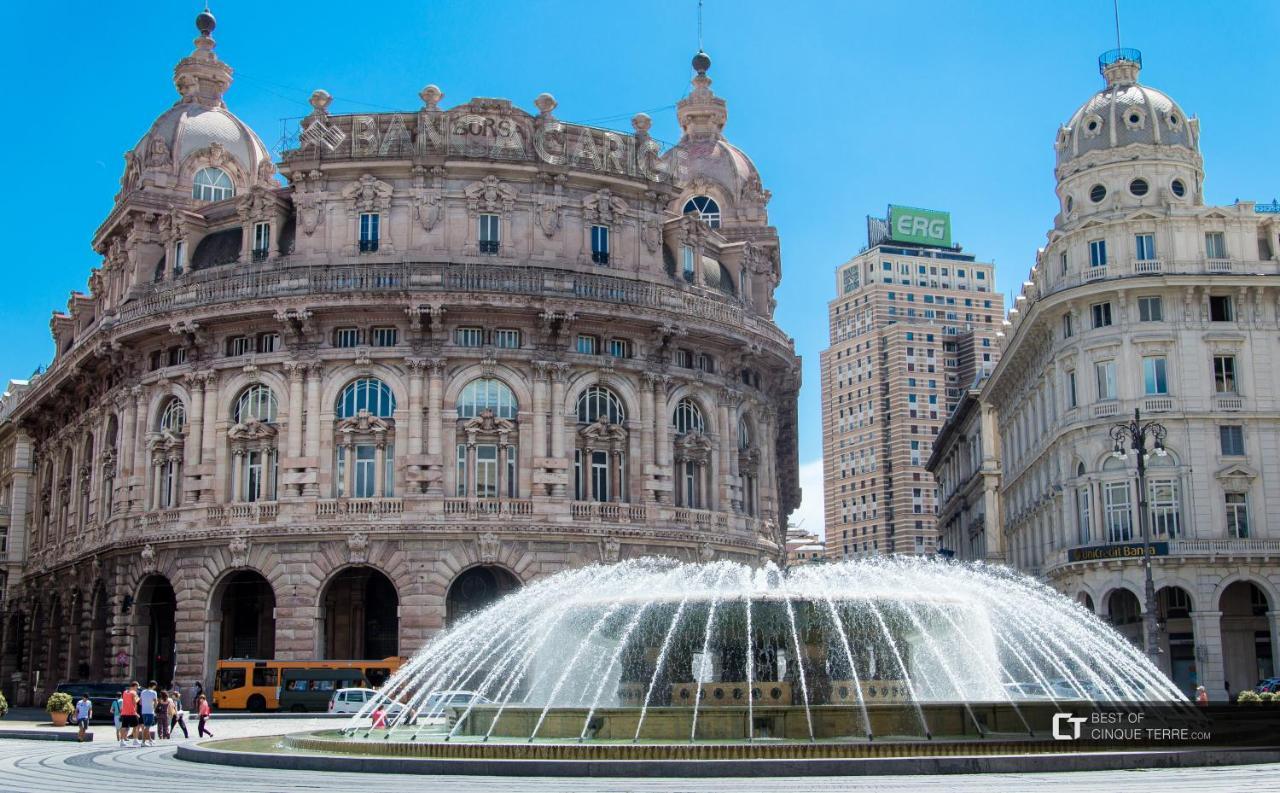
x=651 y=649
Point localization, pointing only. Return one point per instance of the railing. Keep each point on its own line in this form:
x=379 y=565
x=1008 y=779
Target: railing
x=336 y=507
x=1104 y=409
x=1228 y=403
x=487 y=506
x=610 y=512
x=368 y=246
x=1147 y=266
x=1228 y=547
x=1157 y=405
x=1219 y=265
x=1095 y=273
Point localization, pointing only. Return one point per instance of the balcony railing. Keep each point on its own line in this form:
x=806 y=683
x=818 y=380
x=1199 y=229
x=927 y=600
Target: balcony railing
x=368 y=246
x=260 y=254
x=609 y=512
x=1228 y=403
x=1104 y=409
x=1157 y=405
x=1147 y=266
x=490 y=247
x=337 y=507
x=487 y=506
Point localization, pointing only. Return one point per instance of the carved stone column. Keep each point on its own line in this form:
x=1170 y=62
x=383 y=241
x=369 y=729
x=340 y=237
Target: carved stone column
x=293 y=442
x=435 y=422
x=124 y=469
x=560 y=374
x=141 y=461
x=315 y=373
x=195 y=428
x=416 y=368
x=647 y=460
x=661 y=437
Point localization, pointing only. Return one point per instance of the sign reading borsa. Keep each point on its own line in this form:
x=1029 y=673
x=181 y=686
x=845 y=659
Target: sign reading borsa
x=921 y=226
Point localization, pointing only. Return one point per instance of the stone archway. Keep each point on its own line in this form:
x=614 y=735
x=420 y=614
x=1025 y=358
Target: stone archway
x=244 y=611
x=1124 y=613
x=15 y=639
x=1177 y=638
x=1246 y=636
x=154 y=630
x=360 y=609
x=475 y=588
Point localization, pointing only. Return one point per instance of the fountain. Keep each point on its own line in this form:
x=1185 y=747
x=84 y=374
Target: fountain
x=651 y=651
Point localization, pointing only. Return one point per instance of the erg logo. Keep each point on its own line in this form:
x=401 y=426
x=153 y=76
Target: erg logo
x=1075 y=721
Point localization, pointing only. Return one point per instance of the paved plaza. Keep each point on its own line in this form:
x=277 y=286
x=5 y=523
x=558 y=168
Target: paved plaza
x=103 y=765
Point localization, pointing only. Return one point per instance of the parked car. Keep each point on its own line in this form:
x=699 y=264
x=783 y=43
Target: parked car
x=437 y=701
x=353 y=700
x=100 y=694
x=1271 y=684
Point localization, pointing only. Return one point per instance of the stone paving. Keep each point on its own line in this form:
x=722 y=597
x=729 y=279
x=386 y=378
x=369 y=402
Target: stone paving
x=104 y=765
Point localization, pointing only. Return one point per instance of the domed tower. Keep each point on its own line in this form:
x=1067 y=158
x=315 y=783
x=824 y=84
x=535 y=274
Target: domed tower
x=1129 y=145
x=196 y=154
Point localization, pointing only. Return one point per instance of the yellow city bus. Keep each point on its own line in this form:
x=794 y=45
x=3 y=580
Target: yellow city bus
x=251 y=684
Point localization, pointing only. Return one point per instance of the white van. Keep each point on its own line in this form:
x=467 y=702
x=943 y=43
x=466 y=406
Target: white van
x=353 y=700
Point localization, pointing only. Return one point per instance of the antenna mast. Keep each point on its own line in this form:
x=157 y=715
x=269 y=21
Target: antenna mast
x=699 y=25
x=1115 y=4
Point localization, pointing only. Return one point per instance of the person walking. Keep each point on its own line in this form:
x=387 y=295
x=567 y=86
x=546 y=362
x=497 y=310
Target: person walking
x=115 y=718
x=1202 y=696
x=147 y=704
x=84 y=712
x=129 y=711
x=203 y=711
x=179 y=717
x=162 y=714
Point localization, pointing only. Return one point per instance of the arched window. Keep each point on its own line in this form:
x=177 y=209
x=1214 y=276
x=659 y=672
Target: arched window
x=706 y=208
x=596 y=403
x=367 y=393
x=487 y=393
x=173 y=417
x=212 y=184
x=748 y=468
x=688 y=417
x=257 y=402
x=744 y=434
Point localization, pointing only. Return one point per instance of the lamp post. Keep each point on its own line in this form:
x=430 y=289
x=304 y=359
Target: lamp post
x=1134 y=434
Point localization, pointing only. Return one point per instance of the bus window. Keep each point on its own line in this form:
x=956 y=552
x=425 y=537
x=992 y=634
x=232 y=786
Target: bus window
x=296 y=685
x=230 y=678
x=321 y=685
x=265 y=677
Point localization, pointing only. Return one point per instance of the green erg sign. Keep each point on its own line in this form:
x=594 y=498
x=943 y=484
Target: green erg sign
x=921 y=226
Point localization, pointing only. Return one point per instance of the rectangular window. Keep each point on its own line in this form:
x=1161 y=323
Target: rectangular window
x=1067 y=330
x=1062 y=262
x=1220 y=308
x=619 y=348
x=600 y=244
x=1231 y=439
x=1119 y=518
x=684 y=359
x=1071 y=389
x=1106 y=376
x=1224 y=374
x=177 y=356
x=364 y=473
x=460 y=471
x=1237 y=515
x=486 y=470
x=687 y=266
x=385 y=337
x=346 y=337
x=1084 y=517
x=490 y=234
x=179 y=257
x=468 y=337
x=1101 y=314
x=506 y=338
x=1155 y=376
x=1144 y=247
x=1150 y=309
x=369 y=231
x=1215 y=245
x=1162 y=507
x=261 y=241
x=239 y=345
x=268 y=342
x=1098 y=253
x=587 y=345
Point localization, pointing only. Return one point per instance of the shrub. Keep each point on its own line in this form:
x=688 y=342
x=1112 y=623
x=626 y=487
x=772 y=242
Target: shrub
x=60 y=702
x=1248 y=696
x=4 y=706
x=1267 y=696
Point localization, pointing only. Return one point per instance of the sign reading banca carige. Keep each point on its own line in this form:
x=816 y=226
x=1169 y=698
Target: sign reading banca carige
x=1129 y=550
x=921 y=226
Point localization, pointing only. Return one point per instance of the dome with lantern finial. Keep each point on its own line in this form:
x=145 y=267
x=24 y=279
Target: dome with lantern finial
x=199 y=133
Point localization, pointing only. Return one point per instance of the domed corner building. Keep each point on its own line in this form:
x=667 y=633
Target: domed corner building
x=1145 y=298
x=462 y=349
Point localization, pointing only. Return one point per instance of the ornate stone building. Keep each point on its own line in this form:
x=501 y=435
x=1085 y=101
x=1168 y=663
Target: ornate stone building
x=454 y=351
x=1145 y=298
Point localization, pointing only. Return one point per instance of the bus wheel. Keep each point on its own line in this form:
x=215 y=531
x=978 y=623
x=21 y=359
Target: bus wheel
x=299 y=709
x=257 y=703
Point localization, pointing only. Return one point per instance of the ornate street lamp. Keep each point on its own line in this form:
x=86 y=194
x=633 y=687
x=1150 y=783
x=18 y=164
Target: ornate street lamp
x=1134 y=434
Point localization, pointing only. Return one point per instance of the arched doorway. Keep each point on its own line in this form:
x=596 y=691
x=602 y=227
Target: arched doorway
x=1086 y=600
x=476 y=588
x=1246 y=636
x=246 y=612
x=99 y=663
x=361 y=615
x=1177 y=638
x=154 y=630
x=1125 y=615
x=11 y=663
x=51 y=669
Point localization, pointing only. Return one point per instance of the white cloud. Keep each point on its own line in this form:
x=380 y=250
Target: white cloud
x=810 y=516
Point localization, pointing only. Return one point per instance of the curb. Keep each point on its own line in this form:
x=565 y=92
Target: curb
x=991 y=764
x=41 y=735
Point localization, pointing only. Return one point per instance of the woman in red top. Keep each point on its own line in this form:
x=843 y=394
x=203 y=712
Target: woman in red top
x=203 y=710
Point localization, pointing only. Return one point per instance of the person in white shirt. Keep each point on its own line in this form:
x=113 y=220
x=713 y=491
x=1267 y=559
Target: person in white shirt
x=147 y=704
x=84 y=712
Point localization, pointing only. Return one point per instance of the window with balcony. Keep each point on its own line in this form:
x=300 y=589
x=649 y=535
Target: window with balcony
x=261 y=241
x=370 y=223
x=346 y=337
x=1215 y=245
x=364 y=433
x=1144 y=247
x=506 y=338
x=1097 y=253
x=600 y=244
x=1224 y=374
x=1237 y=505
x=600 y=456
x=1101 y=314
x=1150 y=309
x=253 y=440
x=692 y=454
x=487 y=464
x=1105 y=372
x=385 y=337
x=1155 y=379
x=1221 y=308
x=490 y=233
x=468 y=337
x=687 y=267
x=1231 y=440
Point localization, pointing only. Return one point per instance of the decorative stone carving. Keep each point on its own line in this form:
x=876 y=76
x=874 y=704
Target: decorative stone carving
x=148 y=557
x=611 y=551
x=239 y=548
x=706 y=553
x=428 y=208
x=369 y=194
x=490 y=195
x=602 y=208
x=488 y=546
x=357 y=547
x=158 y=155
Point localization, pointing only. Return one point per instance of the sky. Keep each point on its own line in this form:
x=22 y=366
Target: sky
x=845 y=107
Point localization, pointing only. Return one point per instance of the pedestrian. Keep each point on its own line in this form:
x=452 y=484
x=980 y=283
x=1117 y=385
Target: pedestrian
x=162 y=714
x=1227 y=685
x=1202 y=696
x=84 y=712
x=129 y=711
x=179 y=717
x=147 y=702
x=199 y=689
x=379 y=718
x=203 y=711
x=115 y=718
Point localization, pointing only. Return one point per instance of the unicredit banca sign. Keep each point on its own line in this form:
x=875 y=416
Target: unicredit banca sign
x=921 y=226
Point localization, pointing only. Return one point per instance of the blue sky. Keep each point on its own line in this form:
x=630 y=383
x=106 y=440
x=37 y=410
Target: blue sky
x=845 y=107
